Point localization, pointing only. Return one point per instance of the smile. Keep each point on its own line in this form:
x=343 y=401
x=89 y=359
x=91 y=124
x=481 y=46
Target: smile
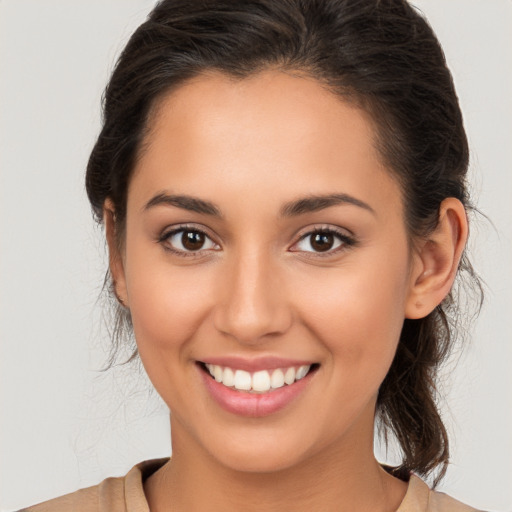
x=257 y=382
x=256 y=388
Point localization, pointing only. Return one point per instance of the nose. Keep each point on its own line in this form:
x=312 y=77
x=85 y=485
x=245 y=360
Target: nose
x=252 y=305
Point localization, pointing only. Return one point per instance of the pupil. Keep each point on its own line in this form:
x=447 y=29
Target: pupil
x=192 y=240
x=322 y=242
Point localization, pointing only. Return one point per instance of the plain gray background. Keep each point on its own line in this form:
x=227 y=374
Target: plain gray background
x=64 y=425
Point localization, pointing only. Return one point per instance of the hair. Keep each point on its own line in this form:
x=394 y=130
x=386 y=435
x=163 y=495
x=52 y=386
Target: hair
x=381 y=55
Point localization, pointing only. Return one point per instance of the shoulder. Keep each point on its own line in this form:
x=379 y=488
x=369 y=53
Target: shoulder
x=84 y=500
x=116 y=494
x=108 y=495
x=420 y=498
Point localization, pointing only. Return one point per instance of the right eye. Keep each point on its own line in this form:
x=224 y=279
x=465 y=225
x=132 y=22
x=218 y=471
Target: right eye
x=184 y=241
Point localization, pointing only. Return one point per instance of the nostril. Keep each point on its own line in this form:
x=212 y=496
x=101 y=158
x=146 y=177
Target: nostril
x=252 y=312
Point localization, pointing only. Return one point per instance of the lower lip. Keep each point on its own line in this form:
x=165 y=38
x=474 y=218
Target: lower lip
x=254 y=405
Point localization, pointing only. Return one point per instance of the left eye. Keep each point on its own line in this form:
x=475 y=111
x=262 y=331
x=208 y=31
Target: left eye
x=189 y=240
x=320 y=241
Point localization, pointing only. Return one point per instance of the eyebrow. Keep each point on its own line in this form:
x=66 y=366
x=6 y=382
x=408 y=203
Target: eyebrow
x=315 y=203
x=192 y=204
x=300 y=206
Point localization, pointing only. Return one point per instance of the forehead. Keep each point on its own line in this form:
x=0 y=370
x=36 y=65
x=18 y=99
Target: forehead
x=293 y=106
x=274 y=133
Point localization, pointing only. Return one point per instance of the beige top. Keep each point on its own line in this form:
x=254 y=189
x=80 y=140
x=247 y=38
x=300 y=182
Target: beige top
x=126 y=494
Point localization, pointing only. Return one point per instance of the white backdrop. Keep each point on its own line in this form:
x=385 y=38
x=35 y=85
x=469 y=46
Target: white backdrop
x=63 y=425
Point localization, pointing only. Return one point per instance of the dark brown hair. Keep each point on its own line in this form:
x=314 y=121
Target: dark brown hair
x=380 y=54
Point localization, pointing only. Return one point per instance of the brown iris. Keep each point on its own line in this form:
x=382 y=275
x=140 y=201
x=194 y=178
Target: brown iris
x=192 y=240
x=322 y=242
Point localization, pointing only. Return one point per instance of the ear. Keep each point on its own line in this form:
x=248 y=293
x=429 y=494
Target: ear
x=116 y=263
x=436 y=260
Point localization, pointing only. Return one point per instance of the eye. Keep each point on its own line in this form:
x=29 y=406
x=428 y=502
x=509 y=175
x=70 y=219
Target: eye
x=188 y=240
x=323 y=241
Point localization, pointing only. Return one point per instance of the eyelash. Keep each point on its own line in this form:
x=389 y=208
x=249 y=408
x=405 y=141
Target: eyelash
x=183 y=229
x=346 y=241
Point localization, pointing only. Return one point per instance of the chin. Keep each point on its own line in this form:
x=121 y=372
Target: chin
x=266 y=451
x=258 y=461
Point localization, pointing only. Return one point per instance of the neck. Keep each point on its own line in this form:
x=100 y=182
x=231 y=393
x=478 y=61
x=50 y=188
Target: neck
x=342 y=478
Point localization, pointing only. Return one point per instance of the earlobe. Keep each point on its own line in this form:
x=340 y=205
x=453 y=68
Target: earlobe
x=437 y=259
x=116 y=265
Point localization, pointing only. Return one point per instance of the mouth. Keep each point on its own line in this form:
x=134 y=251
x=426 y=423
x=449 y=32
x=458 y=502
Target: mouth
x=259 y=382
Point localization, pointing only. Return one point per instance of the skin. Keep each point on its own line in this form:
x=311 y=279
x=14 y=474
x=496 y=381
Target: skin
x=258 y=288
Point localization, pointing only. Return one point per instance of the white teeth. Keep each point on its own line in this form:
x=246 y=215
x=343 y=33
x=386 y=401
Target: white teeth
x=302 y=372
x=228 y=377
x=277 y=380
x=260 y=381
x=217 y=373
x=242 y=380
x=289 y=376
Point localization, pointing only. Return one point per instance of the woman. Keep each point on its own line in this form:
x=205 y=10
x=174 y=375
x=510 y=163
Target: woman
x=282 y=186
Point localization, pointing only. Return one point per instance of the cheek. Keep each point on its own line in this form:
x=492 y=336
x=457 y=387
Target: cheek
x=358 y=315
x=167 y=303
x=168 y=307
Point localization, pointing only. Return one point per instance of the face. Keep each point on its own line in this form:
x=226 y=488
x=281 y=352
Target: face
x=265 y=244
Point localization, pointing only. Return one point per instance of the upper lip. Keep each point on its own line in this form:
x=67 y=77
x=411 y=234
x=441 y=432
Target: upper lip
x=256 y=363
